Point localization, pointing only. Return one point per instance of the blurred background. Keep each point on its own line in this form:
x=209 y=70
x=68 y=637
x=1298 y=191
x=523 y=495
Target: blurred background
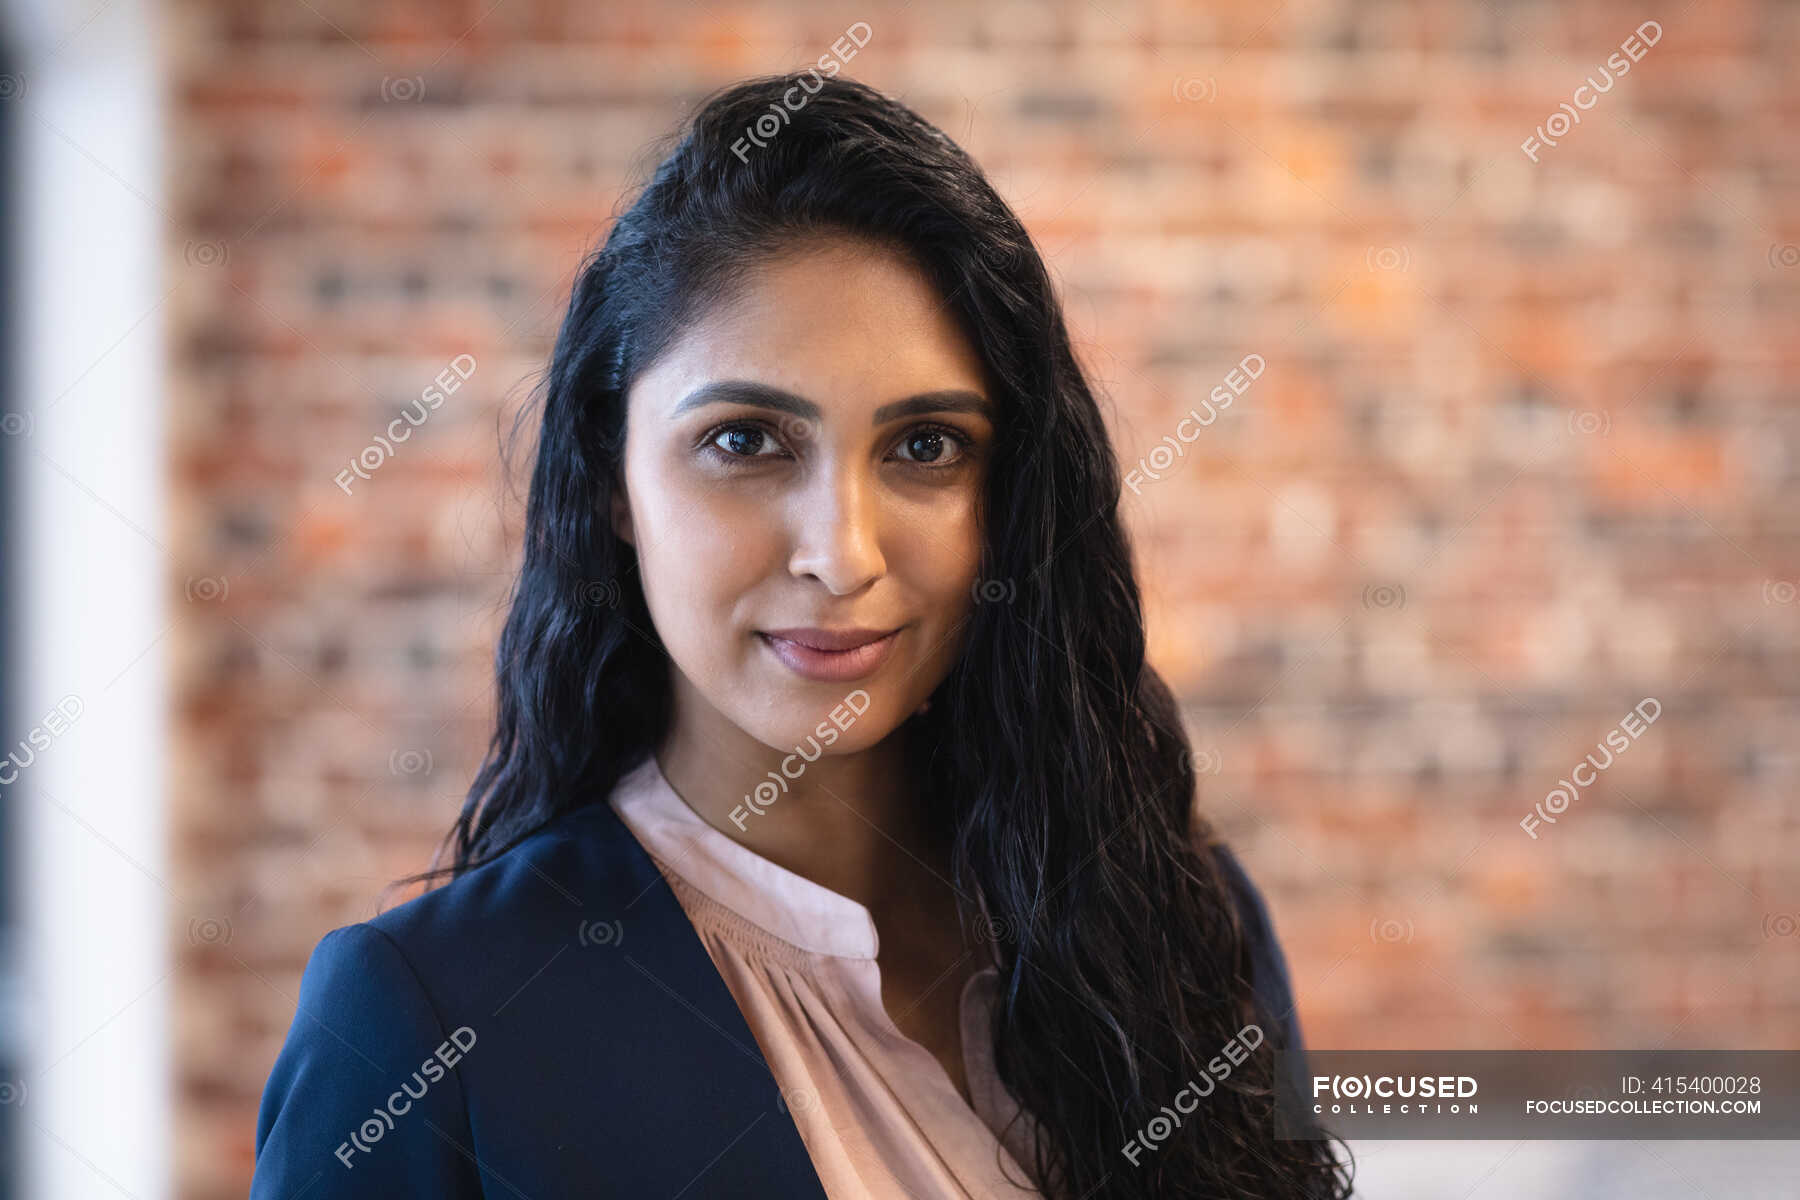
x=1512 y=449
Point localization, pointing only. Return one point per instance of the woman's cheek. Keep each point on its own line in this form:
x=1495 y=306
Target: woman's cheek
x=959 y=560
x=727 y=553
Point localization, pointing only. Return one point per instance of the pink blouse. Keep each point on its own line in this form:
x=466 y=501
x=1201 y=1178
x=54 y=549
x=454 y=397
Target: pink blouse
x=878 y=1113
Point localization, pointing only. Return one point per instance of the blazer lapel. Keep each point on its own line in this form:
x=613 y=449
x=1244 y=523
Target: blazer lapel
x=687 y=1004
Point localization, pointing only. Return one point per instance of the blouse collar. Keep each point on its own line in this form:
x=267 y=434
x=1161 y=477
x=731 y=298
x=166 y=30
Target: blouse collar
x=779 y=901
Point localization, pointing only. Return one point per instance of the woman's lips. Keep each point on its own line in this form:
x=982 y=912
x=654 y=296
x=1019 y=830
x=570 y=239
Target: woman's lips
x=800 y=651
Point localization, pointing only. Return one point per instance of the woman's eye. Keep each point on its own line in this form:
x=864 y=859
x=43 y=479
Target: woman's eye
x=923 y=447
x=742 y=441
x=931 y=447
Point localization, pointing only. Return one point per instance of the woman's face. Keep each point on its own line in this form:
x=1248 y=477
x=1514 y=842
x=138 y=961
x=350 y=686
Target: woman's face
x=808 y=459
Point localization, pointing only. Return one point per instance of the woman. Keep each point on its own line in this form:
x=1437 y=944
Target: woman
x=835 y=838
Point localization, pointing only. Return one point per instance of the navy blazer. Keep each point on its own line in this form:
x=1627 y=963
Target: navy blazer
x=547 y=1026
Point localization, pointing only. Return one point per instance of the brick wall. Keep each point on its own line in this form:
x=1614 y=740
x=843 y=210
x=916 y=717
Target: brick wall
x=1521 y=451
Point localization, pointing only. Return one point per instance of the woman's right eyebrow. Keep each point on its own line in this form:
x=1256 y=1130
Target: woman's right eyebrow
x=765 y=395
x=756 y=395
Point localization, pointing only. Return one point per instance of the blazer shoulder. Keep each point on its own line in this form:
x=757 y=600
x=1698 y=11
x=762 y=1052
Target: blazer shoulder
x=364 y=1095
x=584 y=861
x=575 y=883
x=1272 y=983
x=491 y=964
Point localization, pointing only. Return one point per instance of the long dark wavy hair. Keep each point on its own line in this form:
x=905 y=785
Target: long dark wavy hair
x=1052 y=755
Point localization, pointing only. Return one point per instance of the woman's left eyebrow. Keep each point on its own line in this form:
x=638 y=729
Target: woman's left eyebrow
x=763 y=395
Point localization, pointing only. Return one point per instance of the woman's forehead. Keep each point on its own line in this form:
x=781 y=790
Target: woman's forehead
x=845 y=326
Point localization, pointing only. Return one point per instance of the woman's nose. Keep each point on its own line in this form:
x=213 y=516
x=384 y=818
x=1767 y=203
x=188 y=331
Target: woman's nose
x=836 y=520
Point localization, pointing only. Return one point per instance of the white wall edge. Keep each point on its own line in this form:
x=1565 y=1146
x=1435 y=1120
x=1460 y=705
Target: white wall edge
x=90 y=810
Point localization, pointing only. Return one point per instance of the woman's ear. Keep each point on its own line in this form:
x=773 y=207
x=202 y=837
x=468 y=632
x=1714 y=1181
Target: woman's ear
x=621 y=512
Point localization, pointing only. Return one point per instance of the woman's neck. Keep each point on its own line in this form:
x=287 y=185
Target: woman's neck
x=854 y=823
